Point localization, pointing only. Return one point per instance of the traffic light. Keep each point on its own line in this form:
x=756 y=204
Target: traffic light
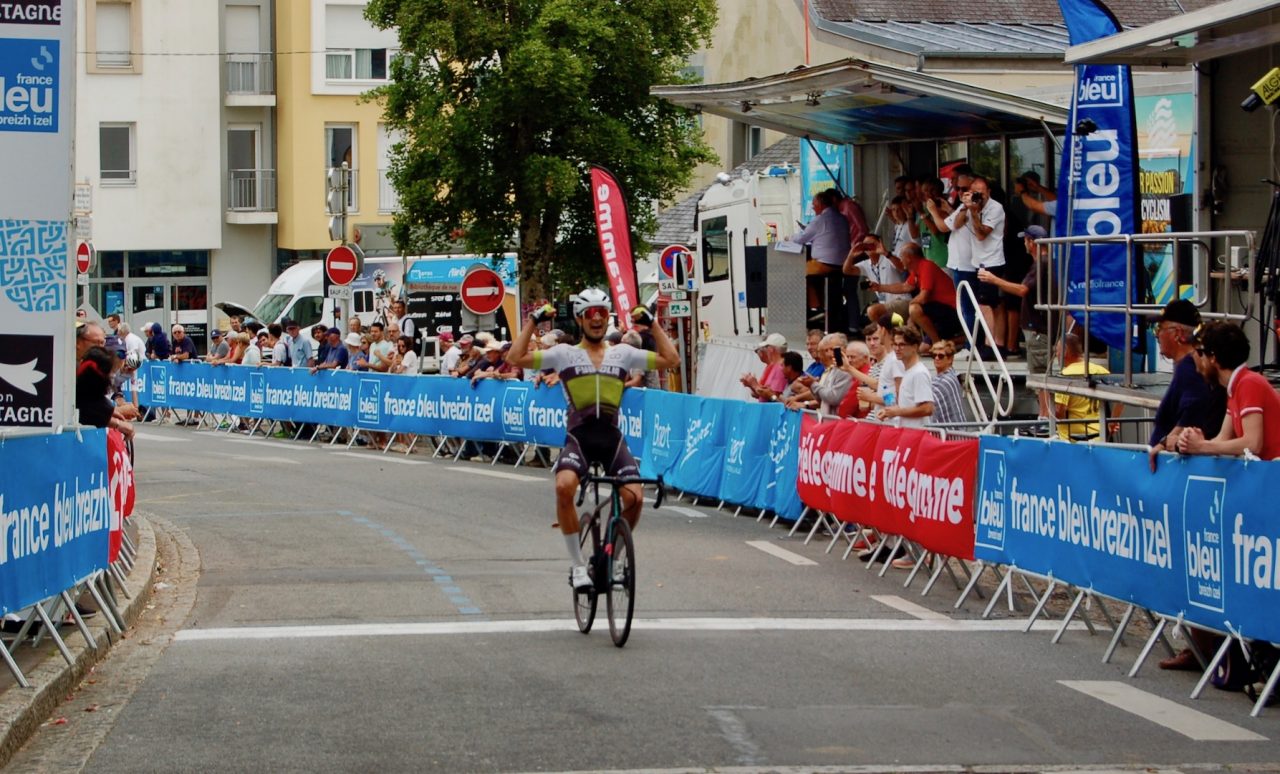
x=337 y=182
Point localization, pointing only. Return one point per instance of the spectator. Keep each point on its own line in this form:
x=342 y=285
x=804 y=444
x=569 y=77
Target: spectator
x=877 y=267
x=792 y=370
x=88 y=336
x=828 y=236
x=1034 y=322
x=279 y=345
x=642 y=324
x=124 y=385
x=1251 y=426
x=924 y=229
x=490 y=365
x=239 y=343
x=236 y=324
x=380 y=348
x=357 y=354
x=133 y=343
x=219 y=349
x=1191 y=400
x=157 y=343
x=1036 y=197
x=266 y=345
x=913 y=404
x=93 y=381
x=933 y=307
x=452 y=356
x=183 y=348
x=405 y=360
x=335 y=355
x=948 y=398
x=355 y=325
x=835 y=382
x=113 y=325
x=300 y=352
x=613 y=338
x=402 y=319
x=252 y=350
x=812 y=340
x=853 y=215
x=982 y=220
x=472 y=355
x=899 y=212
x=636 y=376
x=857 y=361
x=771 y=383
x=1076 y=414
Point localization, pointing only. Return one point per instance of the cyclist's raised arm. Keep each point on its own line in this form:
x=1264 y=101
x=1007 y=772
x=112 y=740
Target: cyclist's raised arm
x=519 y=354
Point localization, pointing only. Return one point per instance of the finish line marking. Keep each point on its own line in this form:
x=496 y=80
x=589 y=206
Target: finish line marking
x=781 y=553
x=910 y=608
x=544 y=625
x=1192 y=724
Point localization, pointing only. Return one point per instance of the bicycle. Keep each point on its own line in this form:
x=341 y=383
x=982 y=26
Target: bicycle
x=612 y=562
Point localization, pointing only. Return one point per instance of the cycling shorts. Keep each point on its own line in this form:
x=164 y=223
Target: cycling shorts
x=597 y=442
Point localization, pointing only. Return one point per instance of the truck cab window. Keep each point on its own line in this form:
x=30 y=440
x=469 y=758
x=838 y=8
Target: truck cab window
x=715 y=249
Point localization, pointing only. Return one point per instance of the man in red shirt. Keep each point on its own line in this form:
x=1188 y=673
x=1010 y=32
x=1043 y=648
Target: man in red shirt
x=1252 y=424
x=933 y=307
x=772 y=382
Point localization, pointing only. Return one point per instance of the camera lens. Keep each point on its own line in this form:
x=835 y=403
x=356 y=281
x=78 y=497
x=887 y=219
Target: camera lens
x=865 y=284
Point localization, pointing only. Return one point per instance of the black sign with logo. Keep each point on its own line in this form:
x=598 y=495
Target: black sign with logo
x=46 y=12
x=26 y=381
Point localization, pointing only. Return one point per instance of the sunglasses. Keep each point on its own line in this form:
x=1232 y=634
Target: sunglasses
x=595 y=313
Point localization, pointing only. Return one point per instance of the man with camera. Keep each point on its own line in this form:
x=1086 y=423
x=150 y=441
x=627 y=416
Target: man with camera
x=874 y=265
x=979 y=222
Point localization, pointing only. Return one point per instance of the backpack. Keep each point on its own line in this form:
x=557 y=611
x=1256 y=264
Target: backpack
x=1247 y=674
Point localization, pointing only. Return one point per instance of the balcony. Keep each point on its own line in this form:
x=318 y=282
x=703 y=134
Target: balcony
x=251 y=80
x=251 y=196
x=388 y=199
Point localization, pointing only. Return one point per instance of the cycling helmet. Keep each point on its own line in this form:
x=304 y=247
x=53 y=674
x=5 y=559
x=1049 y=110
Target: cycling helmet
x=588 y=299
x=379 y=274
x=132 y=361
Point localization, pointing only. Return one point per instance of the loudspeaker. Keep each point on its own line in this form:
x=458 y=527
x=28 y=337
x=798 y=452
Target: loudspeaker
x=757 y=286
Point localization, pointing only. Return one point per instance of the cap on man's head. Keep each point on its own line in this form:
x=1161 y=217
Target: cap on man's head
x=287 y=324
x=776 y=340
x=1033 y=232
x=467 y=340
x=333 y=332
x=1180 y=311
x=215 y=334
x=445 y=336
x=352 y=339
x=493 y=346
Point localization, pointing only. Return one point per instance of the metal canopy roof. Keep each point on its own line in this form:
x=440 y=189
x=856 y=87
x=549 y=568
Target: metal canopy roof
x=1207 y=33
x=858 y=102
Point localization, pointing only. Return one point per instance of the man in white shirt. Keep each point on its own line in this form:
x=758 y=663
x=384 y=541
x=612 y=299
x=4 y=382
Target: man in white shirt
x=882 y=268
x=979 y=222
x=914 y=403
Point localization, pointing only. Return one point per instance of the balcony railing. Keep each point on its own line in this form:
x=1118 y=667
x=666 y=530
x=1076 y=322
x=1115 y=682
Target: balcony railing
x=388 y=199
x=353 y=190
x=251 y=74
x=251 y=190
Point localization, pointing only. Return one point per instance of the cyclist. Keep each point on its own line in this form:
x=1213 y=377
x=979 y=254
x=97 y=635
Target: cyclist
x=593 y=374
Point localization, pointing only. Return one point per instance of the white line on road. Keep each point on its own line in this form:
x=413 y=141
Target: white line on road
x=494 y=473
x=376 y=457
x=1192 y=724
x=256 y=458
x=910 y=608
x=966 y=626
x=781 y=553
x=689 y=512
x=159 y=438
x=734 y=731
x=278 y=443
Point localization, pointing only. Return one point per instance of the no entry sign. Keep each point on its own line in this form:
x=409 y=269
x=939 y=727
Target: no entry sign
x=482 y=290
x=667 y=260
x=84 y=257
x=341 y=266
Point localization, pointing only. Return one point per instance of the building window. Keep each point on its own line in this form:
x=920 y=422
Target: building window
x=354 y=50
x=116 y=154
x=113 y=28
x=746 y=143
x=360 y=64
x=339 y=147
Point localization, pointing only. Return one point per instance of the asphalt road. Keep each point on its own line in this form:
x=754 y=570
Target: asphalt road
x=355 y=611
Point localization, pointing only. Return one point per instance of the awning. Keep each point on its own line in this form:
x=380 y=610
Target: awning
x=856 y=102
x=1210 y=32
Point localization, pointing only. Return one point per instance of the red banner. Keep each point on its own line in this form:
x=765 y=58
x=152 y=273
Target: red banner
x=899 y=480
x=615 y=242
x=121 y=488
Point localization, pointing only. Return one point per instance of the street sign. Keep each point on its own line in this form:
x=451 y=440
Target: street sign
x=679 y=295
x=83 y=201
x=666 y=286
x=680 y=309
x=84 y=257
x=482 y=290
x=82 y=225
x=341 y=265
x=341 y=292
x=667 y=260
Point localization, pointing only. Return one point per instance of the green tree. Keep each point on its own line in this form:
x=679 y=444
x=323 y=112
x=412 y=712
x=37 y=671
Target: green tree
x=503 y=104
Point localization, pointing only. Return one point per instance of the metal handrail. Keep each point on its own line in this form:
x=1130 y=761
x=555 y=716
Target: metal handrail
x=1001 y=401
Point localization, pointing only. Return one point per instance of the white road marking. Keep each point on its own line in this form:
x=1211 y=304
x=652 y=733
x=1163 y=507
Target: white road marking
x=781 y=553
x=377 y=457
x=277 y=442
x=734 y=731
x=689 y=512
x=159 y=438
x=257 y=458
x=910 y=608
x=1192 y=724
x=480 y=471
x=966 y=626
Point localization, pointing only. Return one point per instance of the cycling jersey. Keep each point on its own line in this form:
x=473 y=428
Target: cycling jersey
x=593 y=393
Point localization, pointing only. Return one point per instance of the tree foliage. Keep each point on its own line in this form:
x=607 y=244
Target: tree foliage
x=503 y=104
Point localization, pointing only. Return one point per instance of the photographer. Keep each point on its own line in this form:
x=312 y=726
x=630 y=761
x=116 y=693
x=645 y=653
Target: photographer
x=1035 y=197
x=980 y=222
x=874 y=265
x=924 y=227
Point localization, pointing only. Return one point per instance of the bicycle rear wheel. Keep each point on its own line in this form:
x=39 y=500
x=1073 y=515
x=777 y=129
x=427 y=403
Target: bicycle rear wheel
x=585 y=602
x=622 y=583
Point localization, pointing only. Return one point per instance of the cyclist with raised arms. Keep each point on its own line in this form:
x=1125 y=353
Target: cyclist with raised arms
x=593 y=374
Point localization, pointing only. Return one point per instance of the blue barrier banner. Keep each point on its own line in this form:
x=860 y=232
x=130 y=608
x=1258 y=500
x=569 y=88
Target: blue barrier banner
x=665 y=440
x=699 y=468
x=55 y=514
x=746 y=460
x=1199 y=538
x=779 y=491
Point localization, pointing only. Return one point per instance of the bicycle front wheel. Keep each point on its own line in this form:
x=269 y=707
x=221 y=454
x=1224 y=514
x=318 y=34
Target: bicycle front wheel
x=622 y=583
x=584 y=602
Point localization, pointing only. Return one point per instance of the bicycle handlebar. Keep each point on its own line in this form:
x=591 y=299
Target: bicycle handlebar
x=591 y=478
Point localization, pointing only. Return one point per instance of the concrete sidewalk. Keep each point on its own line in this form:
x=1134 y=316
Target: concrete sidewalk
x=22 y=710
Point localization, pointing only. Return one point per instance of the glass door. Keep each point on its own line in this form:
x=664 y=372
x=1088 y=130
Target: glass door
x=189 y=307
x=147 y=306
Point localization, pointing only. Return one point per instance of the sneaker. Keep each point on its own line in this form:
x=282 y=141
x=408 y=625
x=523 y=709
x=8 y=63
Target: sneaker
x=580 y=579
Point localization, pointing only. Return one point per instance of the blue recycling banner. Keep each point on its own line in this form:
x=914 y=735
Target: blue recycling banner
x=700 y=467
x=1098 y=192
x=778 y=487
x=55 y=508
x=1199 y=538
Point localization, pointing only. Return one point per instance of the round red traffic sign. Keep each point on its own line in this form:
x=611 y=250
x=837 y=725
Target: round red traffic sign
x=667 y=260
x=482 y=290
x=341 y=265
x=84 y=257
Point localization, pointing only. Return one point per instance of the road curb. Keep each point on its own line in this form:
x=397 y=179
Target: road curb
x=22 y=710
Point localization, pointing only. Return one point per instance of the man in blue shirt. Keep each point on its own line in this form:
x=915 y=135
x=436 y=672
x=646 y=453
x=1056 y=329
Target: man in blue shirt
x=815 y=368
x=1190 y=401
x=336 y=356
x=298 y=345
